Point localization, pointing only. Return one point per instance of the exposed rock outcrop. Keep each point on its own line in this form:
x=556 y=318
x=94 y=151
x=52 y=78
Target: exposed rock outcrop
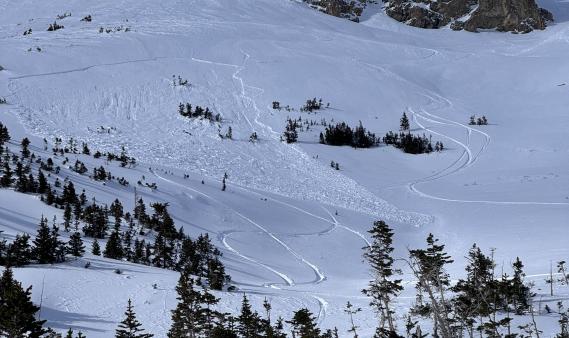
x=504 y=15
x=349 y=9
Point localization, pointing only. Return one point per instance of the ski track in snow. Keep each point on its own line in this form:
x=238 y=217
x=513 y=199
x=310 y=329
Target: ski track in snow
x=459 y=165
x=289 y=281
x=319 y=275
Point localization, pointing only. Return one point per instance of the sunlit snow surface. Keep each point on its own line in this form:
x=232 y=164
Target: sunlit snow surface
x=290 y=226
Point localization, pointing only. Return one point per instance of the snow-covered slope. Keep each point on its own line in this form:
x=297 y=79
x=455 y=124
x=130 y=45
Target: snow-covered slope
x=504 y=185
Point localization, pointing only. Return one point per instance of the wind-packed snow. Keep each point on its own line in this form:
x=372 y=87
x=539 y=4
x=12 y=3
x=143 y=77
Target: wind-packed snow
x=291 y=228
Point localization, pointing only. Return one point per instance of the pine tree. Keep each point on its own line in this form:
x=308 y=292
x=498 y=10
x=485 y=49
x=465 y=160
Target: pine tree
x=17 y=312
x=130 y=327
x=96 y=249
x=75 y=245
x=383 y=288
x=114 y=249
x=404 y=123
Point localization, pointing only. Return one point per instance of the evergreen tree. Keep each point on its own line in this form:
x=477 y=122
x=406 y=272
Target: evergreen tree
x=25 y=150
x=114 y=249
x=428 y=266
x=163 y=253
x=75 y=245
x=383 y=288
x=67 y=214
x=476 y=295
x=521 y=294
x=19 y=252
x=290 y=134
x=216 y=276
x=249 y=321
x=17 y=312
x=45 y=244
x=130 y=327
x=42 y=183
x=304 y=324
x=6 y=179
x=96 y=249
x=404 y=123
x=188 y=318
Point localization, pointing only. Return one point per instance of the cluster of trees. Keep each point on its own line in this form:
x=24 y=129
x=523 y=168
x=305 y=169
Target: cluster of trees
x=187 y=110
x=171 y=249
x=46 y=248
x=341 y=134
x=194 y=317
x=290 y=134
x=456 y=309
x=179 y=81
x=114 y=29
x=412 y=144
x=312 y=105
x=480 y=121
x=54 y=26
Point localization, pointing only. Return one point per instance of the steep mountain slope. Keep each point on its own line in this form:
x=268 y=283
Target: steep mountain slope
x=503 y=185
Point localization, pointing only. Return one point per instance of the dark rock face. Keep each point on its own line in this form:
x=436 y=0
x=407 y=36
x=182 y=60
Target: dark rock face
x=504 y=15
x=349 y=9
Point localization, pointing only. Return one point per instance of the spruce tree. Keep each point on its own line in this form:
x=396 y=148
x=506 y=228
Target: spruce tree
x=383 y=288
x=45 y=244
x=42 y=183
x=249 y=321
x=476 y=295
x=25 y=150
x=19 y=252
x=6 y=179
x=163 y=253
x=75 y=245
x=17 y=312
x=114 y=249
x=304 y=324
x=96 y=249
x=130 y=327
x=404 y=123
x=521 y=294
x=428 y=266
x=188 y=318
